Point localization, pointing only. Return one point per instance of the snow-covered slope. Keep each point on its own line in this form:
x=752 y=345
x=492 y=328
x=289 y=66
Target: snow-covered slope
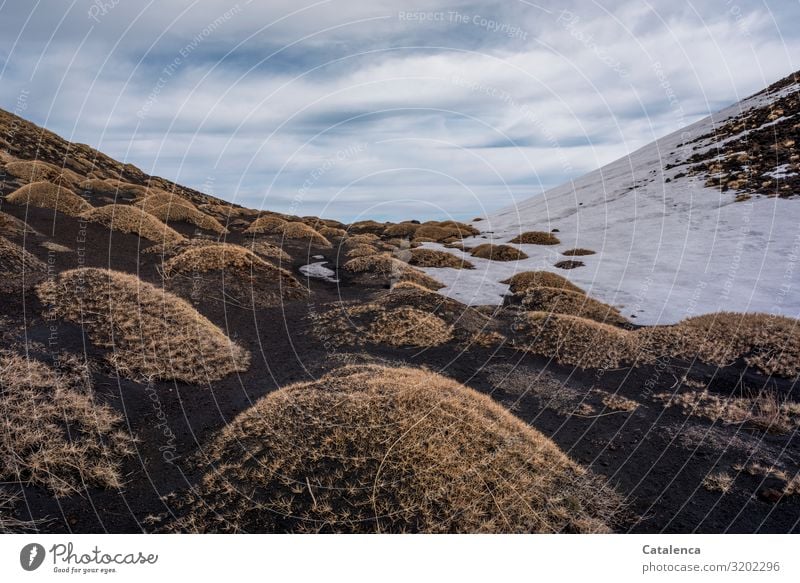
x=670 y=243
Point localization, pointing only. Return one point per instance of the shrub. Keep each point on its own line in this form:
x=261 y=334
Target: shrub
x=402 y=230
x=424 y=257
x=40 y=171
x=536 y=238
x=11 y=225
x=432 y=233
x=562 y=301
x=158 y=198
x=55 y=434
x=129 y=219
x=332 y=232
x=152 y=333
x=408 y=327
x=265 y=224
x=578 y=252
x=366 y=227
x=362 y=251
x=181 y=213
x=574 y=341
x=498 y=252
x=19 y=269
x=267 y=249
x=113 y=187
x=525 y=280
x=377 y=449
x=770 y=344
x=569 y=264
x=232 y=272
x=50 y=196
x=301 y=231
x=383 y=269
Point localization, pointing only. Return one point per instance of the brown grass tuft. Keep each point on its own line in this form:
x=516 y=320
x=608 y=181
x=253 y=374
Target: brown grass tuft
x=569 y=264
x=10 y=225
x=237 y=273
x=770 y=344
x=497 y=252
x=536 y=238
x=19 y=269
x=129 y=219
x=525 y=280
x=376 y=449
x=332 y=232
x=718 y=482
x=362 y=250
x=152 y=333
x=180 y=213
x=574 y=341
x=55 y=434
x=408 y=327
x=266 y=224
x=402 y=230
x=40 y=171
x=562 y=301
x=578 y=252
x=384 y=270
x=267 y=249
x=424 y=257
x=50 y=196
x=764 y=411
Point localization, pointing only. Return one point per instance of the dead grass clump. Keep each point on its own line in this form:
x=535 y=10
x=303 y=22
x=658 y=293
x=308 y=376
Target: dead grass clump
x=301 y=231
x=459 y=230
x=366 y=227
x=156 y=198
x=432 y=233
x=408 y=327
x=55 y=434
x=362 y=251
x=423 y=257
x=38 y=171
x=19 y=269
x=764 y=411
x=362 y=239
x=619 y=403
x=718 y=482
x=402 y=230
x=574 y=341
x=770 y=344
x=50 y=196
x=525 y=280
x=267 y=249
x=151 y=332
x=384 y=270
x=10 y=225
x=332 y=232
x=536 y=238
x=498 y=252
x=238 y=274
x=55 y=247
x=115 y=188
x=180 y=213
x=562 y=301
x=569 y=264
x=266 y=224
x=128 y=219
x=325 y=456
x=578 y=252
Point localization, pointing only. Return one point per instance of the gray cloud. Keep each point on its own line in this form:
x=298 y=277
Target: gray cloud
x=411 y=108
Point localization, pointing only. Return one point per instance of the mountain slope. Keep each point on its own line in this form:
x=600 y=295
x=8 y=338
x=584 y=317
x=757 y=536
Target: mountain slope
x=702 y=220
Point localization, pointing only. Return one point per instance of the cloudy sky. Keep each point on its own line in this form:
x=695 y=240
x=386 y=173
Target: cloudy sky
x=383 y=108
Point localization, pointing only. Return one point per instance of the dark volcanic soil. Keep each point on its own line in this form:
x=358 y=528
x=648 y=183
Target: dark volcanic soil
x=656 y=457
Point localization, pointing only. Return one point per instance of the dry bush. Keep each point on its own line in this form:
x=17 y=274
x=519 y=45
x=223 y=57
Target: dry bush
x=383 y=269
x=50 y=196
x=129 y=219
x=8 y=523
x=574 y=341
x=19 y=269
x=424 y=257
x=266 y=224
x=770 y=344
x=578 y=252
x=187 y=214
x=408 y=327
x=619 y=403
x=363 y=239
x=402 y=230
x=362 y=251
x=569 y=264
x=332 y=232
x=562 y=301
x=238 y=273
x=301 y=231
x=536 y=238
x=38 y=171
x=525 y=280
x=498 y=252
x=10 y=225
x=152 y=333
x=156 y=198
x=366 y=227
x=113 y=187
x=718 y=482
x=432 y=233
x=376 y=449
x=55 y=434
x=267 y=249
x=459 y=230
x=764 y=411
